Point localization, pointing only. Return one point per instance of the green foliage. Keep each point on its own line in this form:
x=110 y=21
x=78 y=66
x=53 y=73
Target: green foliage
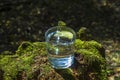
x=61 y=23
x=84 y=34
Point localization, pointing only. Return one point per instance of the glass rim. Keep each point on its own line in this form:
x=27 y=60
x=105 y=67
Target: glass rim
x=62 y=27
x=56 y=27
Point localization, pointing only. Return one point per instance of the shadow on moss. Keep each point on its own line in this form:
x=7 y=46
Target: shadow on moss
x=67 y=74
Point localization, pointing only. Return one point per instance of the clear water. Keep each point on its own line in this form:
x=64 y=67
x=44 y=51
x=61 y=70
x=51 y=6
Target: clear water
x=60 y=50
x=61 y=62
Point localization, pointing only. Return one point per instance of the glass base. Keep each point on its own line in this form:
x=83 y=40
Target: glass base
x=61 y=63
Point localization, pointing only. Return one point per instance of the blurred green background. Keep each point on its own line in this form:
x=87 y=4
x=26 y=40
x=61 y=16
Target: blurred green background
x=27 y=20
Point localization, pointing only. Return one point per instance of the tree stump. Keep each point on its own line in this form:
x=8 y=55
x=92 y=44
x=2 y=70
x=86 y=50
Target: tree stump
x=30 y=63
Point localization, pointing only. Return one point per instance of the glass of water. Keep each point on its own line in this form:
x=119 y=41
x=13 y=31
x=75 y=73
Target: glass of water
x=60 y=46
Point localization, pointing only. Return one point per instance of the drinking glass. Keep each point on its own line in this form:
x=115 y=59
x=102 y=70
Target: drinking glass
x=60 y=46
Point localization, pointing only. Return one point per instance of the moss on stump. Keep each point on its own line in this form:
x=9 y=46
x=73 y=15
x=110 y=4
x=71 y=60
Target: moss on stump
x=30 y=63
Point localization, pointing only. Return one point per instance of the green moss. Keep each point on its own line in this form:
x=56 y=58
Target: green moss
x=92 y=57
x=32 y=57
x=8 y=65
x=22 y=60
x=87 y=44
x=90 y=50
x=46 y=69
x=40 y=48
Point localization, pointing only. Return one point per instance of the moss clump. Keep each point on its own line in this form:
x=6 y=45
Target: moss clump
x=90 y=45
x=93 y=58
x=22 y=60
